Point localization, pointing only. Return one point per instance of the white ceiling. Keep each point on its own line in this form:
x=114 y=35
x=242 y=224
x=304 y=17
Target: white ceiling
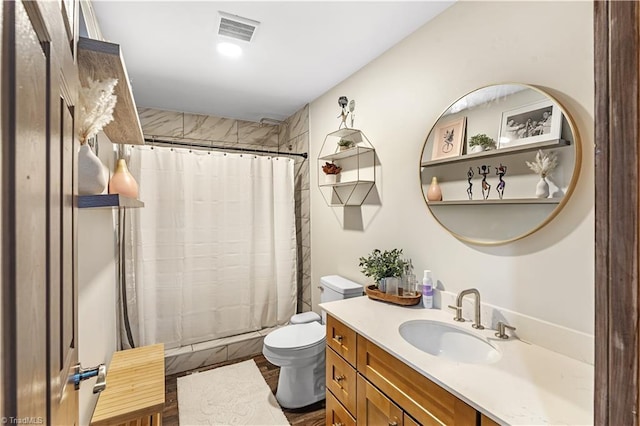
x=300 y=50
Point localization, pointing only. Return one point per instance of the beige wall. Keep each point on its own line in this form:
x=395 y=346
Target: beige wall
x=548 y=275
x=97 y=289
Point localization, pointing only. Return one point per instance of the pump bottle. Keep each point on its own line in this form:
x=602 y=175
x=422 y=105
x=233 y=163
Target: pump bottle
x=427 y=290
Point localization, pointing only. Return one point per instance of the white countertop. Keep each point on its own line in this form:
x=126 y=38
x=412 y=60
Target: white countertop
x=528 y=385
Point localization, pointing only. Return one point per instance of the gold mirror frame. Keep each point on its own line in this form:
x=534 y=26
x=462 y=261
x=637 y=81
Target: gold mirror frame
x=577 y=147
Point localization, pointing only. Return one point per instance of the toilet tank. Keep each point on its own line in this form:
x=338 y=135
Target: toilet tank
x=335 y=287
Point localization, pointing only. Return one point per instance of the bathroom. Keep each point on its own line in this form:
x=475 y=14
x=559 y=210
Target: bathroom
x=545 y=280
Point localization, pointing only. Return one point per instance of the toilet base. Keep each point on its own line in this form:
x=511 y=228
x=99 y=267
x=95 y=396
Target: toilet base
x=301 y=386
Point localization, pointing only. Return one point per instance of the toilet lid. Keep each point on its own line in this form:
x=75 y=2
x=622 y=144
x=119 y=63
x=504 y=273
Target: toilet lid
x=296 y=336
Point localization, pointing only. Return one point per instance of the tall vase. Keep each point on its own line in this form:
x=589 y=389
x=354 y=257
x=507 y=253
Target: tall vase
x=92 y=178
x=542 y=188
x=434 y=193
x=122 y=182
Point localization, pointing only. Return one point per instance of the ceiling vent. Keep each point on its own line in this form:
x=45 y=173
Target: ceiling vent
x=237 y=27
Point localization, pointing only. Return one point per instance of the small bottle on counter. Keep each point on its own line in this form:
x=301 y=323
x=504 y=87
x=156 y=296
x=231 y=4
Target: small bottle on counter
x=427 y=290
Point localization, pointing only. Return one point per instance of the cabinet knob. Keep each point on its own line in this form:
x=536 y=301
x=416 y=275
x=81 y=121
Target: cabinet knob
x=337 y=424
x=338 y=338
x=339 y=380
x=393 y=423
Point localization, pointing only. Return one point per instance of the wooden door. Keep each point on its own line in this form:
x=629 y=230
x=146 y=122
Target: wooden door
x=374 y=408
x=617 y=221
x=39 y=326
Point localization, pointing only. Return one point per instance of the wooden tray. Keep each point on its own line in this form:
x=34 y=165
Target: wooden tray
x=373 y=293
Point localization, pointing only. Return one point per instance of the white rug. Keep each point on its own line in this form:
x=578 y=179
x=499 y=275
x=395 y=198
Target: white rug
x=231 y=395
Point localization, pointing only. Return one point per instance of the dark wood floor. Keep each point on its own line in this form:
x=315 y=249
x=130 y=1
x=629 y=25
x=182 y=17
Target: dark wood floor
x=313 y=415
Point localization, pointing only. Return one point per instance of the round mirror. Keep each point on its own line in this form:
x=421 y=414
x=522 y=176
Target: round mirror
x=500 y=163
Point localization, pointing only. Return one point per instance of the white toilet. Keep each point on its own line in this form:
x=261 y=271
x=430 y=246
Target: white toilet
x=299 y=348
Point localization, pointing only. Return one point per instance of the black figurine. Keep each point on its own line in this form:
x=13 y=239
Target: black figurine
x=343 y=101
x=500 y=172
x=484 y=170
x=469 y=177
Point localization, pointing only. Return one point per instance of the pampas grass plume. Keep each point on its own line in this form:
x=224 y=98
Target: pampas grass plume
x=96 y=102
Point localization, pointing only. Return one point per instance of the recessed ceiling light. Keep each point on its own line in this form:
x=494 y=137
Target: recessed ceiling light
x=229 y=49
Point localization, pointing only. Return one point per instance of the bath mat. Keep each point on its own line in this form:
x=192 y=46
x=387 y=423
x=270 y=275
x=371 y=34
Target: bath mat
x=235 y=394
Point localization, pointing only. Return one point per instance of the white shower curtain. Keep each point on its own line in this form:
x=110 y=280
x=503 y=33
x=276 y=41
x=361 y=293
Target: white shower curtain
x=214 y=248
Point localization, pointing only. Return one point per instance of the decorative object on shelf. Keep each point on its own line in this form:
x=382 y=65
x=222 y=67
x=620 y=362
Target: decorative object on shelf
x=543 y=166
x=344 y=144
x=481 y=142
x=470 y=175
x=352 y=107
x=484 y=170
x=448 y=139
x=96 y=102
x=92 y=176
x=383 y=264
x=331 y=172
x=537 y=122
x=122 y=182
x=95 y=110
x=500 y=172
x=434 y=193
x=343 y=101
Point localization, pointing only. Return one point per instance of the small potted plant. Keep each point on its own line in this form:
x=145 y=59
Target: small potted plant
x=481 y=142
x=383 y=264
x=331 y=171
x=344 y=144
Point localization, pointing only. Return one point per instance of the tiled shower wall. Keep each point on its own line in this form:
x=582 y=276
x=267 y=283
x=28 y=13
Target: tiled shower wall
x=293 y=136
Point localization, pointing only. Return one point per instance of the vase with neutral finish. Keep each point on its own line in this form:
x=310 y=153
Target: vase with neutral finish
x=542 y=188
x=331 y=179
x=434 y=193
x=122 y=182
x=92 y=178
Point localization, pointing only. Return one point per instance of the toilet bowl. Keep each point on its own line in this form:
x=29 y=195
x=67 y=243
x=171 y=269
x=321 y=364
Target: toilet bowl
x=299 y=348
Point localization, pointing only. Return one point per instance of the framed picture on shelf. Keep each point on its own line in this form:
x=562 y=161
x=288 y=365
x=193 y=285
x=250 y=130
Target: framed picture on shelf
x=538 y=122
x=448 y=139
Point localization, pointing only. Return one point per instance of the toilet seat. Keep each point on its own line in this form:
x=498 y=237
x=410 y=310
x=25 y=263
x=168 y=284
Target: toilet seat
x=296 y=337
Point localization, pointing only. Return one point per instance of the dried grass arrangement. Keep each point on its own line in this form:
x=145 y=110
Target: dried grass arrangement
x=96 y=102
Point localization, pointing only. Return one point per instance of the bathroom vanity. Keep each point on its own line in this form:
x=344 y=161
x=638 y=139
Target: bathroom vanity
x=375 y=376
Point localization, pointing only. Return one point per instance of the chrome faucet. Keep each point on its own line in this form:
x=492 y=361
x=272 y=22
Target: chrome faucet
x=458 y=307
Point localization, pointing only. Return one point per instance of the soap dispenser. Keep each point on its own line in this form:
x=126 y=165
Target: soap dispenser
x=427 y=290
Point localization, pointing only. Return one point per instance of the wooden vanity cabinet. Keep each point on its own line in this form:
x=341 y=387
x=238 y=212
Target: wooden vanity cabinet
x=368 y=386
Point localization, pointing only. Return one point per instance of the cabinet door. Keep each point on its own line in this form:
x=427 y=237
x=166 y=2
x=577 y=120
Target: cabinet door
x=408 y=421
x=374 y=408
x=337 y=415
x=423 y=399
x=486 y=421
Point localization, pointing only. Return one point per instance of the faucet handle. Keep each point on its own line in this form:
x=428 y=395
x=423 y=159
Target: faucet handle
x=502 y=330
x=458 y=316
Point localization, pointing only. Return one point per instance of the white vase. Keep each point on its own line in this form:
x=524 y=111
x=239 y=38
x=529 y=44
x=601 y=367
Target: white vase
x=92 y=178
x=542 y=188
x=330 y=179
x=475 y=149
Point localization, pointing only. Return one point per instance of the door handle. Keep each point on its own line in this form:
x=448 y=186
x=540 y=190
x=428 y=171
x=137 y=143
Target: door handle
x=80 y=374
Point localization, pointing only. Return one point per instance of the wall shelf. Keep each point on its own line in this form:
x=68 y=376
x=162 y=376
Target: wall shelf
x=498 y=152
x=101 y=60
x=504 y=201
x=358 y=168
x=107 y=200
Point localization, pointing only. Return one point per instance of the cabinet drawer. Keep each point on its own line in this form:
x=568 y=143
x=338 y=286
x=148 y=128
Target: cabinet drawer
x=424 y=400
x=336 y=413
x=341 y=380
x=341 y=339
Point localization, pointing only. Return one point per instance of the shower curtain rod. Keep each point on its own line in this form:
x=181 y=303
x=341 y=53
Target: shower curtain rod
x=222 y=148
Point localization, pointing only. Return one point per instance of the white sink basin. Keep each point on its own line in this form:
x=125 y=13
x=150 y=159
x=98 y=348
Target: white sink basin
x=448 y=341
